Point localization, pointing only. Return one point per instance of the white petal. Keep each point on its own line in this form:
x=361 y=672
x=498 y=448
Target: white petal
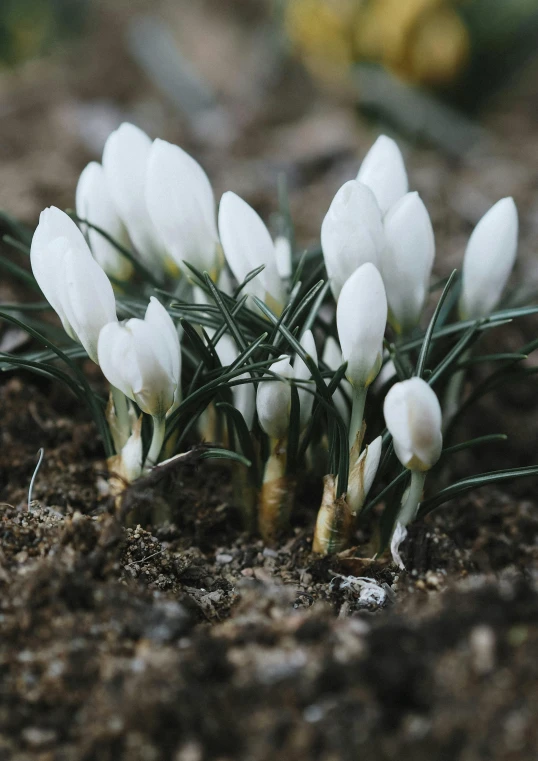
x=155 y=391
x=283 y=256
x=351 y=233
x=413 y=417
x=247 y=245
x=94 y=203
x=407 y=260
x=362 y=475
x=273 y=401
x=489 y=260
x=383 y=170
x=157 y=316
x=361 y=317
x=87 y=298
x=301 y=372
x=125 y=161
x=181 y=204
x=244 y=396
x=117 y=358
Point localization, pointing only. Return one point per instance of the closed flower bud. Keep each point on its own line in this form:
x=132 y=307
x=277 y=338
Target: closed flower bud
x=489 y=259
x=181 y=205
x=283 y=256
x=244 y=395
x=361 y=318
x=332 y=357
x=407 y=261
x=247 y=245
x=94 y=204
x=383 y=170
x=125 y=163
x=142 y=359
x=351 y=233
x=302 y=373
x=273 y=400
x=413 y=417
x=73 y=283
x=362 y=475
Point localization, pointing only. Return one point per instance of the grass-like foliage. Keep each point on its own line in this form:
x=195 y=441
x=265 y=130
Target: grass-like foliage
x=288 y=365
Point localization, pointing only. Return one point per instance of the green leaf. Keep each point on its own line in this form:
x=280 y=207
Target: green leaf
x=244 y=436
x=471 y=443
x=294 y=430
x=224 y=454
x=20 y=273
x=423 y=356
x=474 y=482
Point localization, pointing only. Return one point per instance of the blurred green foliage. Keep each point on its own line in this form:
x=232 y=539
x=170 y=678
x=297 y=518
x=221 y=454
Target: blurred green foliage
x=29 y=28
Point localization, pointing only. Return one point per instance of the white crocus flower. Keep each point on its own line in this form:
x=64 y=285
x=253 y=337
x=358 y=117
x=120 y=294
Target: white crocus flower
x=94 y=204
x=244 y=395
x=142 y=358
x=283 y=256
x=383 y=170
x=413 y=417
x=489 y=259
x=332 y=357
x=361 y=318
x=351 y=233
x=247 y=245
x=407 y=261
x=302 y=373
x=273 y=400
x=71 y=280
x=362 y=475
x=181 y=205
x=125 y=163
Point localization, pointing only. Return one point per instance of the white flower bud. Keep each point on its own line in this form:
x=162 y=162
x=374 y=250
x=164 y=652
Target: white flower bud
x=181 y=205
x=301 y=372
x=94 y=204
x=142 y=358
x=383 y=170
x=244 y=396
x=489 y=259
x=413 y=417
x=283 y=256
x=351 y=233
x=73 y=283
x=361 y=318
x=407 y=261
x=125 y=163
x=273 y=400
x=332 y=357
x=247 y=244
x=362 y=475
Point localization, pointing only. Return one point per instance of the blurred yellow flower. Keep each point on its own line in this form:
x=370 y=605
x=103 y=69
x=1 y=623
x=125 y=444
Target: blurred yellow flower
x=423 y=41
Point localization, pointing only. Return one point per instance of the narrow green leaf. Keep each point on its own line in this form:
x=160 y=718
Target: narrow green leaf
x=475 y=482
x=224 y=454
x=423 y=356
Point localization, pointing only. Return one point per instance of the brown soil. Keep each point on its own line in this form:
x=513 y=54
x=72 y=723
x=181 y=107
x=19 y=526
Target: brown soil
x=189 y=640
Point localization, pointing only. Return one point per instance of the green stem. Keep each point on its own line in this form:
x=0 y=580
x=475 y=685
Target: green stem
x=410 y=507
x=159 y=428
x=357 y=413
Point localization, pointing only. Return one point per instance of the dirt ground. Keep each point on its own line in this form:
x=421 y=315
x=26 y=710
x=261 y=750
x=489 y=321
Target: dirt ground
x=165 y=633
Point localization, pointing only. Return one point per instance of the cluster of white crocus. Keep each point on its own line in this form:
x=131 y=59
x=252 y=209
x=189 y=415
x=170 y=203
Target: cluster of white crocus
x=375 y=219
x=379 y=248
x=158 y=196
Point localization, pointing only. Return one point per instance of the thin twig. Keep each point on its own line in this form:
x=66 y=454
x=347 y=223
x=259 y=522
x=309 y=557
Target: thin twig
x=41 y=454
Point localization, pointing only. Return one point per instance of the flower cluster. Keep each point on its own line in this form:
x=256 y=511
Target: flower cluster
x=204 y=318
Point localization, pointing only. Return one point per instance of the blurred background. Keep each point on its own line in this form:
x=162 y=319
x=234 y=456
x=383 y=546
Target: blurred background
x=258 y=90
